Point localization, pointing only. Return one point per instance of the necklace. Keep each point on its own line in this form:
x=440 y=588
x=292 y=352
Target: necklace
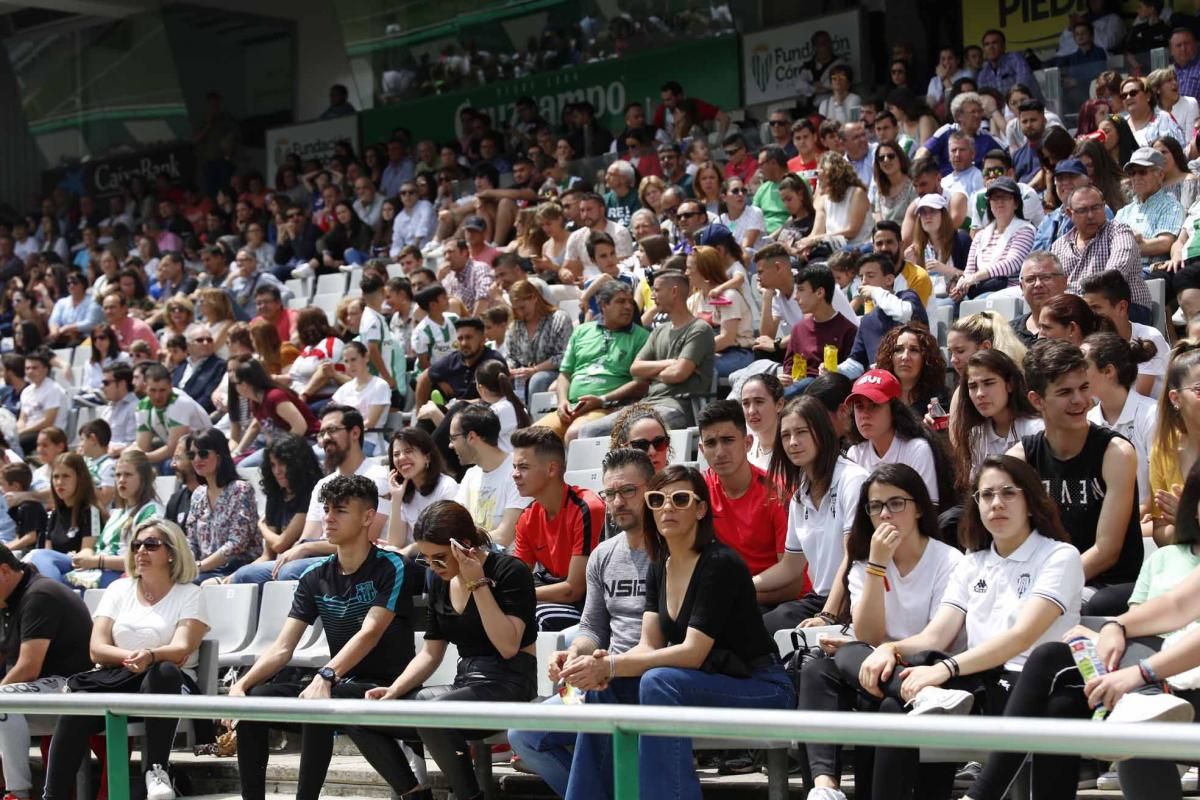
x=146 y=594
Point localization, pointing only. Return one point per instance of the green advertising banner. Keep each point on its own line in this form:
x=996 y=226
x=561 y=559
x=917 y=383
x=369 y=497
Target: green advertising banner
x=707 y=69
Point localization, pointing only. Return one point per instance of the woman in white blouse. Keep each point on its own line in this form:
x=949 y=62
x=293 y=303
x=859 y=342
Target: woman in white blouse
x=150 y=624
x=367 y=393
x=418 y=480
x=1145 y=118
x=740 y=216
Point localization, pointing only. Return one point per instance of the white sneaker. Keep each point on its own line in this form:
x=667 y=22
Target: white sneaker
x=158 y=784
x=348 y=267
x=1189 y=780
x=1152 y=708
x=825 y=793
x=1109 y=782
x=302 y=271
x=965 y=778
x=935 y=700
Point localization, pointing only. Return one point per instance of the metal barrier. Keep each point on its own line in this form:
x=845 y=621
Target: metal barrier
x=1171 y=742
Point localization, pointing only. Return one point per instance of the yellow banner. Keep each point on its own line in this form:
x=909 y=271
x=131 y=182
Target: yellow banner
x=1027 y=24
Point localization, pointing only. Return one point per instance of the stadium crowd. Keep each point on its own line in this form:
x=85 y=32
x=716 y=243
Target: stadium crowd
x=879 y=447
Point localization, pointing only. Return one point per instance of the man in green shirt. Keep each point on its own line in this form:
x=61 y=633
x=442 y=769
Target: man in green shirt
x=772 y=163
x=594 y=376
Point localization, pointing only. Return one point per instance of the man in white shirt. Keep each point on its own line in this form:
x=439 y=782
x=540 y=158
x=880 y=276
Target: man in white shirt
x=43 y=402
x=487 y=490
x=964 y=177
x=415 y=221
x=369 y=203
x=165 y=415
x=1107 y=293
x=341 y=437
x=593 y=217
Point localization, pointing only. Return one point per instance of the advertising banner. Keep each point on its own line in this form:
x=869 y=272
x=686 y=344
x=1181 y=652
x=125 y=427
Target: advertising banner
x=707 y=69
x=772 y=59
x=1027 y=24
x=309 y=140
x=105 y=177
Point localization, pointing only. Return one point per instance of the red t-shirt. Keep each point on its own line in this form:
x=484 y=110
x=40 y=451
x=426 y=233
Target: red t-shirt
x=548 y=545
x=700 y=111
x=744 y=170
x=805 y=169
x=755 y=524
x=283 y=323
x=268 y=416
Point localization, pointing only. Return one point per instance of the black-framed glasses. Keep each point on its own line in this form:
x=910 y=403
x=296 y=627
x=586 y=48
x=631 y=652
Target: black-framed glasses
x=454 y=436
x=681 y=498
x=150 y=544
x=659 y=443
x=429 y=561
x=690 y=214
x=777 y=123
x=199 y=452
x=626 y=492
x=886 y=157
x=893 y=504
x=739 y=190
x=1007 y=493
x=330 y=431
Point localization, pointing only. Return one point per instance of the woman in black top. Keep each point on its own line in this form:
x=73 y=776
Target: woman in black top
x=703 y=642
x=481 y=602
x=288 y=477
x=75 y=521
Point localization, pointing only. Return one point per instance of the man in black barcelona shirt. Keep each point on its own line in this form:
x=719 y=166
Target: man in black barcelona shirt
x=359 y=595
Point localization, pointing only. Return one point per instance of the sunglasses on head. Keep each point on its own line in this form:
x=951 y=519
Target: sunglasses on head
x=681 y=498
x=659 y=443
x=199 y=452
x=150 y=544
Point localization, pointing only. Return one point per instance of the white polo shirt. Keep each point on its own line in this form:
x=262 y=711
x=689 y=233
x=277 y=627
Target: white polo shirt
x=910 y=601
x=1137 y=423
x=818 y=532
x=915 y=452
x=1156 y=366
x=986 y=442
x=991 y=590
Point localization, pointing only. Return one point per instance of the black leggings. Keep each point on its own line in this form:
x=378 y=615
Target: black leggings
x=70 y=742
x=316 y=742
x=831 y=684
x=480 y=679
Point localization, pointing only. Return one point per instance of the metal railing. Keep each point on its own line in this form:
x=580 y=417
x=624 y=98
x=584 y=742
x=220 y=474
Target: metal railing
x=1171 y=742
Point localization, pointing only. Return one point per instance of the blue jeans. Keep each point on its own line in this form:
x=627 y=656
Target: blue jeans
x=665 y=770
x=51 y=563
x=731 y=359
x=259 y=572
x=353 y=256
x=548 y=753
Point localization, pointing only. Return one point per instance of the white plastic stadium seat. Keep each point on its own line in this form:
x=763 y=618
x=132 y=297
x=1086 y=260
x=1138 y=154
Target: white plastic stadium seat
x=333 y=283
x=91 y=598
x=542 y=403
x=298 y=287
x=587 y=478
x=571 y=309
x=444 y=674
x=164 y=487
x=328 y=303
x=315 y=653
x=276 y=603
x=1007 y=307
x=684 y=443
x=232 y=614
x=587 y=453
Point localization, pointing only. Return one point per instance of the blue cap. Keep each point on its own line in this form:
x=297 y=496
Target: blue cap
x=714 y=235
x=1070 y=166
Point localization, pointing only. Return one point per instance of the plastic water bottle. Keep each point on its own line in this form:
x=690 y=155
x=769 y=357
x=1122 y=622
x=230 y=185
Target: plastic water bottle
x=1083 y=650
x=941 y=417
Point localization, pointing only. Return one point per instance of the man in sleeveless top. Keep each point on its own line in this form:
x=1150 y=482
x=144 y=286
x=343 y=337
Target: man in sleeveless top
x=1090 y=473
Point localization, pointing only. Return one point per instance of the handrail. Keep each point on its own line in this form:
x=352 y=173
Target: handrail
x=1171 y=742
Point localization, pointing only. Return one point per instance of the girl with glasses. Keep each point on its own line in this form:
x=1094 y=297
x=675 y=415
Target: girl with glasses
x=740 y=215
x=1018 y=587
x=641 y=428
x=824 y=487
x=1176 y=445
x=698 y=648
x=135 y=502
x=893 y=191
x=418 y=479
x=151 y=624
x=76 y=519
x=482 y=602
x=899 y=570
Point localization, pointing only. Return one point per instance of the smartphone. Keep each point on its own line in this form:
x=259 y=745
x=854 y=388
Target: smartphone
x=459 y=545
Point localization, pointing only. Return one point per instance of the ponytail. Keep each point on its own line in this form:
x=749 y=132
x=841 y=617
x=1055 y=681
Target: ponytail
x=493 y=376
x=506 y=389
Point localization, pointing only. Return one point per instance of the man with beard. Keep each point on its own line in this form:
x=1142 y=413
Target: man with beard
x=341 y=437
x=181 y=501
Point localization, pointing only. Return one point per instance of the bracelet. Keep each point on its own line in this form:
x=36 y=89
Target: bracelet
x=951 y=663
x=1148 y=673
x=945 y=662
x=612 y=667
x=872 y=565
x=475 y=584
x=878 y=573
x=153 y=658
x=1116 y=622
x=825 y=615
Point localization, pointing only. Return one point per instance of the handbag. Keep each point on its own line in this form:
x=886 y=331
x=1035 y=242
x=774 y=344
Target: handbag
x=105 y=679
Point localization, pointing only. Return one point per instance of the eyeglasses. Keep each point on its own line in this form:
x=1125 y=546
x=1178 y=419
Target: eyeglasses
x=893 y=504
x=1130 y=93
x=1030 y=280
x=332 y=429
x=683 y=498
x=1194 y=389
x=659 y=443
x=986 y=497
x=993 y=172
x=454 y=436
x=1096 y=209
x=437 y=563
x=690 y=214
x=778 y=123
x=737 y=190
x=626 y=492
x=199 y=452
x=886 y=157
x=151 y=545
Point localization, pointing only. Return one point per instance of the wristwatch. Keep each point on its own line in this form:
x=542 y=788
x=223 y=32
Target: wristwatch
x=328 y=674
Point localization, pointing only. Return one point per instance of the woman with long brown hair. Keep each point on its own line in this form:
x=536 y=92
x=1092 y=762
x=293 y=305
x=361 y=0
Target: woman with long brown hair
x=1104 y=173
x=728 y=314
x=76 y=519
x=843 y=209
x=893 y=189
x=938 y=246
x=216 y=308
x=911 y=353
x=275 y=355
x=273 y=408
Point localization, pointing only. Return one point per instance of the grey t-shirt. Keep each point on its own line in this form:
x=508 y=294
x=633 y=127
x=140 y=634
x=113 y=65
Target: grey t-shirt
x=616 y=595
x=694 y=342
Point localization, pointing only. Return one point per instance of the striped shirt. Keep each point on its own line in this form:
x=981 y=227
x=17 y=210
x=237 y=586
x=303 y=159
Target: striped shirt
x=1158 y=214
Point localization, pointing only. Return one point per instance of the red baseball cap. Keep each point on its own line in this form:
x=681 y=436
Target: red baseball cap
x=877 y=385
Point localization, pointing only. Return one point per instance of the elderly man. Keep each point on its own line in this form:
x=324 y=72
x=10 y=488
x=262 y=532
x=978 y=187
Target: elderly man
x=1069 y=175
x=245 y=279
x=594 y=377
x=859 y=151
x=415 y=221
x=964 y=177
x=201 y=372
x=779 y=126
x=1041 y=279
x=368 y=204
x=465 y=278
x=772 y=164
x=1002 y=69
x=1154 y=215
x=1098 y=245
x=621 y=199
x=592 y=218
x=967 y=111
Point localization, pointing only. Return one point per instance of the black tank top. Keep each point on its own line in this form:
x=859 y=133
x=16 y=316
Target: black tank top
x=1077 y=486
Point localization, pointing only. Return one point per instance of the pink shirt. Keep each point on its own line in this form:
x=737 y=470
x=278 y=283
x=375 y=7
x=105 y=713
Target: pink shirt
x=133 y=328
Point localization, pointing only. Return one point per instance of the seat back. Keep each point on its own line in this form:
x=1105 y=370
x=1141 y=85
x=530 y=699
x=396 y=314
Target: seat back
x=542 y=403
x=91 y=598
x=333 y=283
x=232 y=614
x=587 y=453
x=547 y=643
x=587 y=478
x=447 y=670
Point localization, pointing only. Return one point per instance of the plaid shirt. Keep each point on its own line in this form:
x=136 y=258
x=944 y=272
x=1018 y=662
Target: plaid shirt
x=471 y=285
x=1160 y=213
x=1113 y=247
x=1012 y=68
x=1189 y=78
